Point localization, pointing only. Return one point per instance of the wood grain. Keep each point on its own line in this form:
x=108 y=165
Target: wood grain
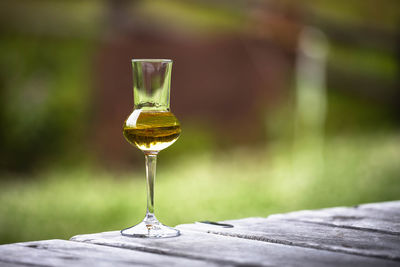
x=232 y=250
x=390 y=209
x=370 y=230
x=351 y=218
x=68 y=253
x=365 y=235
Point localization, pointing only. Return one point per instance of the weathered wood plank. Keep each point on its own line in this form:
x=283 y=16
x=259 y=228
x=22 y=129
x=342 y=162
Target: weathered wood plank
x=69 y=253
x=389 y=209
x=310 y=235
x=352 y=218
x=8 y=264
x=232 y=251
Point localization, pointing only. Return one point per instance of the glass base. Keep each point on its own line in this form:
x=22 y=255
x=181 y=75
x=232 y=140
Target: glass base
x=150 y=227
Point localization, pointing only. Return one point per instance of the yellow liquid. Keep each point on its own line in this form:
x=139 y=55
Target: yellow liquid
x=151 y=130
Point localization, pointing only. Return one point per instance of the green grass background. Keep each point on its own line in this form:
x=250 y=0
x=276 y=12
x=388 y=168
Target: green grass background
x=236 y=183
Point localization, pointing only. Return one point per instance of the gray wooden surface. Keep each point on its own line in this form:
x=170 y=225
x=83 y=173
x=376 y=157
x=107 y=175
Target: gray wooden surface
x=366 y=235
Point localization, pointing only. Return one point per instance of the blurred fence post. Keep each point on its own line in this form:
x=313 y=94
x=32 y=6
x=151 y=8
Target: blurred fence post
x=310 y=99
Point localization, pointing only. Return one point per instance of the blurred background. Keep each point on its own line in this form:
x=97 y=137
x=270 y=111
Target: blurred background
x=284 y=105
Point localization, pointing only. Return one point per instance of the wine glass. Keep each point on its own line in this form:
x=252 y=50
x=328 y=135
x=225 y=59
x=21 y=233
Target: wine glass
x=151 y=127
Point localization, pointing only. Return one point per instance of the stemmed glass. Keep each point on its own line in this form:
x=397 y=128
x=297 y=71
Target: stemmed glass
x=151 y=127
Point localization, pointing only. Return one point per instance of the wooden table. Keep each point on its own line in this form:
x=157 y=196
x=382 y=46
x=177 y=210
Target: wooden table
x=365 y=235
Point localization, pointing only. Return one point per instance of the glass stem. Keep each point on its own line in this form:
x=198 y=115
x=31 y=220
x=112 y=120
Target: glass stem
x=151 y=160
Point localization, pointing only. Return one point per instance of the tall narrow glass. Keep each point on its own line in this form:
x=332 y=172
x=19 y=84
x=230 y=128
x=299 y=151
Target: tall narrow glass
x=151 y=127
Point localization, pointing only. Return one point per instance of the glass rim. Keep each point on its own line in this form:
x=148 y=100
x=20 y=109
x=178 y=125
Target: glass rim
x=151 y=60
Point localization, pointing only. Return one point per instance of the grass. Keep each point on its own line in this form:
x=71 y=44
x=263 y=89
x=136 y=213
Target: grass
x=241 y=182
